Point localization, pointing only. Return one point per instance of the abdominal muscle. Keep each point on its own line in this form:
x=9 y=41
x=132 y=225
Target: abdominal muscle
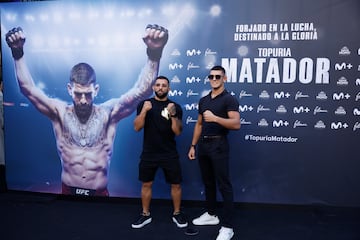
x=85 y=167
x=85 y=164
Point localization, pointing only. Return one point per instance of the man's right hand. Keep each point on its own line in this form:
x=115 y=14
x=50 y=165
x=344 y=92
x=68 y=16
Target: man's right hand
x=147 y=106
x=15 y=39
x=155 y=39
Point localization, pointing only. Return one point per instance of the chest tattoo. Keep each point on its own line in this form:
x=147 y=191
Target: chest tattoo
x=87 y=134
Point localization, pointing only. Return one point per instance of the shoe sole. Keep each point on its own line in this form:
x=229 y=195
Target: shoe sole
x=178 y=224
x=141 y=225
x=206 y=223
x=230 y=236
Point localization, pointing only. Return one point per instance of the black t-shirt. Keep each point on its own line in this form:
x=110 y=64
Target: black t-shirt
x=220 y=106
x=159 y=139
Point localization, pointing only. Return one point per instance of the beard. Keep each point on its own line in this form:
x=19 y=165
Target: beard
x=83 y=112
x=161 y=95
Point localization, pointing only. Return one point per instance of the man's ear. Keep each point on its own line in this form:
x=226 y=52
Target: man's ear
x=69 y=88
x=225 y=78
x=97 y=88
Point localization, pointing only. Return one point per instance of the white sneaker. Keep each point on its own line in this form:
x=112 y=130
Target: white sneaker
x=206 y=219
x=225 y=233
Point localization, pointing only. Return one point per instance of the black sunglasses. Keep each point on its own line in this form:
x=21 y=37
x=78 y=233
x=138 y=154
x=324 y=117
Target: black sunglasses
x=212 y=77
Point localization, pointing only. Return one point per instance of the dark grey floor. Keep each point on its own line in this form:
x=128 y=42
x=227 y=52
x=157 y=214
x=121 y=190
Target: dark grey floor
x=25 y=215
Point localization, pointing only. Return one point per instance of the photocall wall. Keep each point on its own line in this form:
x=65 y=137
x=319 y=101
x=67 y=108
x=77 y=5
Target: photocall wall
x=294 y=67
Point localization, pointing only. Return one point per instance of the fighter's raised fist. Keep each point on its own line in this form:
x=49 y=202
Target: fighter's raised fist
x=15 y=39
x=155 y=39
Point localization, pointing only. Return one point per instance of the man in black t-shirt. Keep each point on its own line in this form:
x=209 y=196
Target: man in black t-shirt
x=161 y=120
x=218 y=113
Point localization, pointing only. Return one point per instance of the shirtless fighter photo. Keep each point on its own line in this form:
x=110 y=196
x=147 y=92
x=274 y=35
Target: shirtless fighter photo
x=85 y=131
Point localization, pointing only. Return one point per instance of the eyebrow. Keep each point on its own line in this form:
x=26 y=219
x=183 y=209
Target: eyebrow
x=162 y=84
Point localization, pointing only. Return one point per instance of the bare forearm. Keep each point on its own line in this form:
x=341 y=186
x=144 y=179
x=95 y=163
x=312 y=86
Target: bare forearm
x=23 y=76
x=139 y=121
x=143 y=86
x=229 y=123
x=195 y=139
x=232 y=121
x=141 y=90
x=196 y=134
x=37 y=97
x=176 y=125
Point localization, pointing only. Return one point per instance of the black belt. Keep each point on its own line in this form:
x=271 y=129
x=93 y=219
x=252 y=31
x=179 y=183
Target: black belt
x=209 y=137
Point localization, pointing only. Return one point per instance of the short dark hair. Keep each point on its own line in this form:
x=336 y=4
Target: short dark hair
x=163 y=77
x=218 y=67
x=82 y=73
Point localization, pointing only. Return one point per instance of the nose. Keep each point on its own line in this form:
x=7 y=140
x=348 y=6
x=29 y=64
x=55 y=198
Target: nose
x=83 y=98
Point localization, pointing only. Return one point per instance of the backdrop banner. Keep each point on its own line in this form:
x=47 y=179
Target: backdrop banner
x=294 y=67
